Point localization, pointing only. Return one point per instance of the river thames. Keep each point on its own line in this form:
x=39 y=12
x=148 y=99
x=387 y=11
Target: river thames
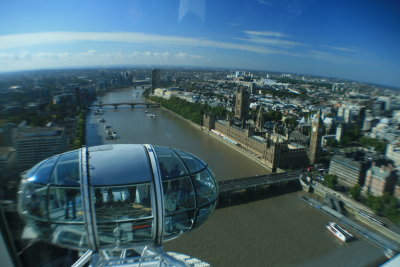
x=278 y=230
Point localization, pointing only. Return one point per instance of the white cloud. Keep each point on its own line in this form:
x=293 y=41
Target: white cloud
x=28 y=60
x=46 y=38
x=266 y=33
x=327 y=56
x=272 y=42
x=341 y=49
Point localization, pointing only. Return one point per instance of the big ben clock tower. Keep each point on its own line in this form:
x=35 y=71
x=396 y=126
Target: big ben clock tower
x=316 y=135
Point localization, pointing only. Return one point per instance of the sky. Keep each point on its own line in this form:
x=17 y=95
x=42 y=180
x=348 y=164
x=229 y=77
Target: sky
x=357 y=40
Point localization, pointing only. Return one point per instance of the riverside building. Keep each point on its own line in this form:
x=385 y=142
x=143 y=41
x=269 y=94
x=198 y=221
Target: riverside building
x=349 y=171
x=380 y=180
x=275 y=150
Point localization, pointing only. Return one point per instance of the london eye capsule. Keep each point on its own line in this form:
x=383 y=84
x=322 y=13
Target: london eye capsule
x=116 y=196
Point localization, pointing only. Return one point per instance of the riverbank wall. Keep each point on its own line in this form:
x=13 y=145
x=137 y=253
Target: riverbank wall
x=204 y=130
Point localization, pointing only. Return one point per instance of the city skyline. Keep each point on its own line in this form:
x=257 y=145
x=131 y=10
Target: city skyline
x=356 y=40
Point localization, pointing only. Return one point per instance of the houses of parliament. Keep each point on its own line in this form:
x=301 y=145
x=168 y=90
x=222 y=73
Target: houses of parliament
x=287 y=150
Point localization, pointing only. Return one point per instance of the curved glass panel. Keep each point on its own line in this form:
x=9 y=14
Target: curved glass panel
x=203 y=213
x=41 y=173
x=178 y=224
x=206 y=190
x=33 y=201
x=70 y=235
x=66 y=171
x=170 y=165
x=178 y=195
x=193 y=163
x=119 y=164
x=65 y=204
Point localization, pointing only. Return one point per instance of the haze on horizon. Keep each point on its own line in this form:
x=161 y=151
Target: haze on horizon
x=356 y=40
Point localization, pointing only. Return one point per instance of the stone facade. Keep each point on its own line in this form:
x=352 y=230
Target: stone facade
x=315 y=141
x=274 y=150
x=242 y=104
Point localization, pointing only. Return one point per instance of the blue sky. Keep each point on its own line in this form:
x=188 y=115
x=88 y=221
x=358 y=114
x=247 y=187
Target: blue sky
x=358 y=40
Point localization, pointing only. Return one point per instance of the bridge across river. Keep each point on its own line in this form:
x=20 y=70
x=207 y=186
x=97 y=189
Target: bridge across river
x=131 y=104
x=255 y=183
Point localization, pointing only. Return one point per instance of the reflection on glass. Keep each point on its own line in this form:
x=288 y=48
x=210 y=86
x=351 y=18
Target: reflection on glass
x=205 y=187
x=123 y=234
x=170 y=165
x=120 y=213
x=179 y=223
x=33 y=201
x=65 y=204
x=203 y=213
x=122 y=202
x=66 y=171
x=42 y=171
x=178 y=195
x=193 y=163
x=70 y=235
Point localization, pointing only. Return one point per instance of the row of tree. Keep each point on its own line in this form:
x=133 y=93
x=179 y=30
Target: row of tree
x=385 y=205
x=378 y=145
x=191 y=111
x=80 y=136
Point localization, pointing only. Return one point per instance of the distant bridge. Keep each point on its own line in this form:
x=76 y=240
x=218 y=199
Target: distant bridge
x=131 y=104
x=255 y=183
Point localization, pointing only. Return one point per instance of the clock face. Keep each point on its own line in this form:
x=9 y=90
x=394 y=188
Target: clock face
x=314 y=129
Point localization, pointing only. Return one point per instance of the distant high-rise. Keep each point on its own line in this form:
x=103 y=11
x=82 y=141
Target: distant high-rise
x=155 y=79
x=253 y=88
x=242 y=104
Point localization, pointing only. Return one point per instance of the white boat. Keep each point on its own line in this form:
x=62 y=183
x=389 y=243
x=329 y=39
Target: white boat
x=151 y=115
x=339 y=232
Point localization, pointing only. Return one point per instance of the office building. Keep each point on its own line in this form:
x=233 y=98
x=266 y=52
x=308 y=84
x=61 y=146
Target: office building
x=393 y=152
x=348 y=170
x=35 y=144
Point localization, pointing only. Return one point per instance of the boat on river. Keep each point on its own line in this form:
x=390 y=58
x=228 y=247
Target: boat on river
x=339 y=232
x=151 y=115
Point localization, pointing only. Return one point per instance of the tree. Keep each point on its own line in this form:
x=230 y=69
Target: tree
x=273 y=115
x=378 y=145
x=330 y=180
x=291 y=122
x=332 y=142
x=355 y=191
